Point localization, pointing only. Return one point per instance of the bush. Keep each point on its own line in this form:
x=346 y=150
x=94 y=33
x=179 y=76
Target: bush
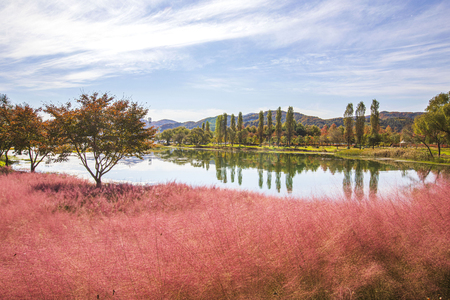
x=172 y=241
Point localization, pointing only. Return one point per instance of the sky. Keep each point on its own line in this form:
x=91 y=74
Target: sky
x=188 y=60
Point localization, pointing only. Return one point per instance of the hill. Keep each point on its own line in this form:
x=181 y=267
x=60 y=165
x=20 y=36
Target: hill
x=397 y=120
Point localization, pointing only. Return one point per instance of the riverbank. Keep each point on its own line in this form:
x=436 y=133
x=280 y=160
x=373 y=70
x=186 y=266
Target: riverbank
x=414 y=155
x=62 y=238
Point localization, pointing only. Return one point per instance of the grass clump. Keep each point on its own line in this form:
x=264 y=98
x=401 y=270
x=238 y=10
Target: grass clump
x=60 y=238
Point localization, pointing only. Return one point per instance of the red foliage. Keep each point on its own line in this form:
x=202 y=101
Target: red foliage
x=61 y=238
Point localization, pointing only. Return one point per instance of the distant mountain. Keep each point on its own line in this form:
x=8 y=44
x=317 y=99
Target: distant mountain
x=162 y=122
x=397 y=120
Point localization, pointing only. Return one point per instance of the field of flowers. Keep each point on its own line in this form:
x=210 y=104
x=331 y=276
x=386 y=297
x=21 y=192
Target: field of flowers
x=61 y=238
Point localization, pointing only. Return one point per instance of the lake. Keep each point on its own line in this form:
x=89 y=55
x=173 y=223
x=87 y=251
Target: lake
x=298 y=175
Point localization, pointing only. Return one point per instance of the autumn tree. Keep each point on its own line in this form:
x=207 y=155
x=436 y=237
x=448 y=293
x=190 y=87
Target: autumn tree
x=110 y=129
x=6 y=133
x=278 y=126
x=348 y=124
x=335 y=134
x=360 y=120
x=34 y=137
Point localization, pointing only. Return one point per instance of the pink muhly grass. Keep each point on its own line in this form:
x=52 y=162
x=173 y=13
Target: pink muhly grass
x=62 y=238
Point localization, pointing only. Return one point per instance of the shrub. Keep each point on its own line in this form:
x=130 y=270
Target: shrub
x=173 y=241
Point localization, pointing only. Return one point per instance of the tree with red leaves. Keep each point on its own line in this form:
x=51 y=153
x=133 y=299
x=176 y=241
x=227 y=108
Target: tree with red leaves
x=109 y=129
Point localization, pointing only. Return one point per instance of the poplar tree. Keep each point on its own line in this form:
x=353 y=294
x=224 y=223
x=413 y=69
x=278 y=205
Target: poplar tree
x=261 y=127
x=278 y=126
x=233 y=123
x=269 y=125
x=240 y=127
x=348 y=124
x=207 y=126
x=224 y=127
x=240 y=123
x=374 y=123
x=290 y=124
x=232 y=131
x=360 y=120
x=218 y=130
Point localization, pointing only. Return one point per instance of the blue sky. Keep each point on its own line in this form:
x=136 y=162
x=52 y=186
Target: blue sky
x=187 y=60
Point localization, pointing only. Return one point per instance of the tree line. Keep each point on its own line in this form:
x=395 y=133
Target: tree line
x=269 y=130
x=107 y=128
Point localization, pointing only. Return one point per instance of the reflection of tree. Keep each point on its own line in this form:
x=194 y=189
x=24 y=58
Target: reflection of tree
x=359 y=180
x=260 y=178
x=374 y=176
x=347 y=183
x=289 y=183
x=289 y=164
x=232 y=173
x=269 y=180
x=423 y=173
x=278 y=181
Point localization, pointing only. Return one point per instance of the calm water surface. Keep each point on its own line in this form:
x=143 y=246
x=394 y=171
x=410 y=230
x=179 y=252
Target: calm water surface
x=299 y=175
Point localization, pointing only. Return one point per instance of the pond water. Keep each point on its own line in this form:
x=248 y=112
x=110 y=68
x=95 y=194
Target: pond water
x=298 y=175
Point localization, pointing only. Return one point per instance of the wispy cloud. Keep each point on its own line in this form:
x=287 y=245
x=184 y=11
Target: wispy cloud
x=328 y=47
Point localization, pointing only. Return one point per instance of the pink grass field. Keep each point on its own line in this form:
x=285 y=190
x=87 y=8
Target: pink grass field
x=60 y=238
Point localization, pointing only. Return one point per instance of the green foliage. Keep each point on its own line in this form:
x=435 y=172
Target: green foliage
x=261 y=127
x=278 y=126
x=348 y=123
x=374 y=117
x=290 y=124
x=360 y=119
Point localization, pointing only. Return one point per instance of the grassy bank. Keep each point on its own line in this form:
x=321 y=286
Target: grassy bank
x=62 y=239
x=420 y=154
x=412 y=154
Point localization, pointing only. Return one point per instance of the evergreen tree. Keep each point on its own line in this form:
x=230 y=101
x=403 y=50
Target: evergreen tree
x=278 y=126
x=360 y=120
x=348 y=124
x=290 y=124
x=269 y=125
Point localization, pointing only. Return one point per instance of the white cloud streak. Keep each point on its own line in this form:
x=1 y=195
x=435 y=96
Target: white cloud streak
x=340 y=46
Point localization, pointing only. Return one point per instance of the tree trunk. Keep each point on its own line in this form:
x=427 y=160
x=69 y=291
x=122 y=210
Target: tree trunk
x=98 y=182
x=6 y=158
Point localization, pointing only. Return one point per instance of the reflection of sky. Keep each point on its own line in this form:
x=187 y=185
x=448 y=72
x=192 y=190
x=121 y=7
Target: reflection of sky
x=308 y=183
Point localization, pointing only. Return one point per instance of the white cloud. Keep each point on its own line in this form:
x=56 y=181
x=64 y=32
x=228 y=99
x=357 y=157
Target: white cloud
x=341 y=47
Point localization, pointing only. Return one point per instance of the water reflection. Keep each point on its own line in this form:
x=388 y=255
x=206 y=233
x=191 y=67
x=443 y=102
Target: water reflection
x=291 y=165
